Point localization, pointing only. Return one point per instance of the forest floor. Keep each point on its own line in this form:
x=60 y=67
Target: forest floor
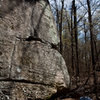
x=82 y=86
x=86 y=85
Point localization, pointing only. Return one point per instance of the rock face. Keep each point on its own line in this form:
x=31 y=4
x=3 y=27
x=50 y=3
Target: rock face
x=30 y=68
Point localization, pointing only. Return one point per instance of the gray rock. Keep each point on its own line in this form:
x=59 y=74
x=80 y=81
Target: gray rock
x=29 y=69
x=23 y=19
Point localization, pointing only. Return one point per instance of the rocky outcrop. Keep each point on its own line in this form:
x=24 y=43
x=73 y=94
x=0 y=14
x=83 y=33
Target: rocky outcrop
x=30 y=67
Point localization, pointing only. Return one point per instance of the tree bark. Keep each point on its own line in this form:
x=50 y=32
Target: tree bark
x=92 y=44
x=60 y=27
x=72 y=51
x=85 y=38
x=76 y=38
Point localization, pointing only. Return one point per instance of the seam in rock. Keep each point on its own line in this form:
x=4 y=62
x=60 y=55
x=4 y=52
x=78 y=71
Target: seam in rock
x=25 y=81
x=32 y=38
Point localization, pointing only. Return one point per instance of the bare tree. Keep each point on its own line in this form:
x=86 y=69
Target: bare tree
x=60 y=26
x=92 y=44
x=57 y=14
x=85 y=38
x=72 y=51
x=76 y=36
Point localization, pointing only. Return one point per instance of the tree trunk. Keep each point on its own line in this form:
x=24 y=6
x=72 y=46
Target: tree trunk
x=60 y=27
x=72 y=51
x=92 y=44
x=76 y=38
x=57 y=14
x=85 y=38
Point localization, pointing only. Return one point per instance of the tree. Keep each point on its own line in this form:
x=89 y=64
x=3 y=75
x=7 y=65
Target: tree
x=76 y=36
x=92 y=44
x=60 y=26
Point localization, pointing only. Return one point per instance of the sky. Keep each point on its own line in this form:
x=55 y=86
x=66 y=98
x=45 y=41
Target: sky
x=67 y=2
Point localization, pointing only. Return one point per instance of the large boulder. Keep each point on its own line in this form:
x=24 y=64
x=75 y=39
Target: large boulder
x=29 y=69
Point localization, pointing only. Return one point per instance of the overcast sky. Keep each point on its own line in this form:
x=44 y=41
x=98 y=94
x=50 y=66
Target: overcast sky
x=67 y=2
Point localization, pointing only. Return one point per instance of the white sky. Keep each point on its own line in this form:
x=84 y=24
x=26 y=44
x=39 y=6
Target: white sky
x=67 y=2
